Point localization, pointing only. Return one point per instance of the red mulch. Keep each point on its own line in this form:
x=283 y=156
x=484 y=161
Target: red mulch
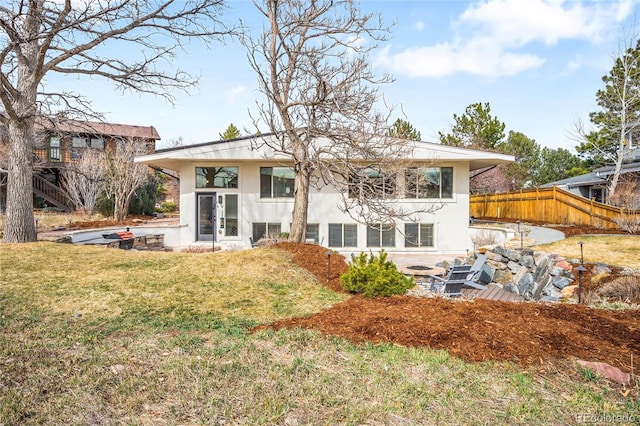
x=526 y=333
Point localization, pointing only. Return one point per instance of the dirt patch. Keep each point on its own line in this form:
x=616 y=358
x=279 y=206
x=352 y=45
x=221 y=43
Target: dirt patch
x=526 y=333
x=109 y=222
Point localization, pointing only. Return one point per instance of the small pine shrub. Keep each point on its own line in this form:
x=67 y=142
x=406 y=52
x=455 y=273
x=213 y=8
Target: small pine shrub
x=375 y=276
x=167 y=207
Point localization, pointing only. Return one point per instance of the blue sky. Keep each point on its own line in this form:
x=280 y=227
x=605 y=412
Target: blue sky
x=538 y=63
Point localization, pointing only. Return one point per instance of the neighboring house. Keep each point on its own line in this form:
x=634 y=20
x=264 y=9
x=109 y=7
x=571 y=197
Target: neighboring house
x=231 y=193
x=594 y=185
x=59 y=142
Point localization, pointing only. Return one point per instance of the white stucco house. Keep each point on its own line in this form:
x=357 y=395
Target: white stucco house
x=231 y=194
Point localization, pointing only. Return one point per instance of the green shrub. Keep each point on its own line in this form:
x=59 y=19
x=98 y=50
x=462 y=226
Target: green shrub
x=375 y=276
x=167 y=207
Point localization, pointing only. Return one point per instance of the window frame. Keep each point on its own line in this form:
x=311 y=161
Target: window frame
x=270 y=229
x=370 y=182
x=231 y=217
x=201 y=177
x=387 y=233
x=413 y=190
x=429 y=228
x=353 y=227
x=275 y=184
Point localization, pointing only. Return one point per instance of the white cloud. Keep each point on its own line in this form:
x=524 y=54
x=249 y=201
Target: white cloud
x=235 y=93
x=571 y=67
x=419 y=25
x=489 y=36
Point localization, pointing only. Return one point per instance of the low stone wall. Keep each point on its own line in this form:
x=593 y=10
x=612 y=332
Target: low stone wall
x=534 y=275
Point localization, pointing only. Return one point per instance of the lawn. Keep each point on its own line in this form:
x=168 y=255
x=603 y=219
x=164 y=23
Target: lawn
x=618 y=250
x=91 y=335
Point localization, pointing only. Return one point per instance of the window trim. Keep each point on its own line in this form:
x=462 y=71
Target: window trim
x=353 y=226
x=272 y=184
x=198 y=175
x=391 y=230
x=419 y=243
x=415 y=193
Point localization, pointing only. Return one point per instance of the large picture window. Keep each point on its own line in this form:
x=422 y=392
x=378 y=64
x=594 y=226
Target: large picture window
x=418 y=235
x=216 y=177
x=381 y=236
x=343 y=235
x=276 y=182
x=371 y=183
x=429 y=182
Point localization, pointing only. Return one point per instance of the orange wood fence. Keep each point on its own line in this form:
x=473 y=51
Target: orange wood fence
x=549 y=205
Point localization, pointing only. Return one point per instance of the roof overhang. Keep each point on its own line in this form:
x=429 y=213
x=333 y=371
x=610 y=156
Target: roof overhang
x=244 y=149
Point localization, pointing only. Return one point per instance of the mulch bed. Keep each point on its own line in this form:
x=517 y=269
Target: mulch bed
x=527 y=333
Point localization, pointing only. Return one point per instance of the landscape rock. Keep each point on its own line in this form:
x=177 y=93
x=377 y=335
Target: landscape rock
x=564 y=265
x=526 y=285
x=560 y=282
x=569 y=291
x=609 y=372
x=502 y=276
x=600 y=268
x=555 y=271
x=513 y=255
x=527 y=261
x=515 y=267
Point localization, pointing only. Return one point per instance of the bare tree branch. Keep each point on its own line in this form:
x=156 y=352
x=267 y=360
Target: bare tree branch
x=129 y=42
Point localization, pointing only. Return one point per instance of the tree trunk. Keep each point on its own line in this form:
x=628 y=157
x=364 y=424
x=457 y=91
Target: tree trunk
x=300 y=206
x=20 y=225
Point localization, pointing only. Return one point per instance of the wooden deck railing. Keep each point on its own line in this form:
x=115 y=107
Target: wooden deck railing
x=51 y=193
x=550 y=205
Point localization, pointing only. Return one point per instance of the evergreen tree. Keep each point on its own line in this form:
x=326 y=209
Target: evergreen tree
x=402 y=129
x=476 y=128
x=232 y=132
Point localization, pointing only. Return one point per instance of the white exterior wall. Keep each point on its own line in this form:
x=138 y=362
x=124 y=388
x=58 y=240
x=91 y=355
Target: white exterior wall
x=451 y=230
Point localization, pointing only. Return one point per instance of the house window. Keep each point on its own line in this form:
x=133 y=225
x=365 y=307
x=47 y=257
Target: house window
x=231 y=215
x=276 y=182
x=54 y=148
x=418 y=235
x=313 y=232
x=96 y=143
x=343 y=235
x=371 y=183
x=80 y=143
x=217 y=177
x=429 y=182
x=265 y=230
x=381 y=236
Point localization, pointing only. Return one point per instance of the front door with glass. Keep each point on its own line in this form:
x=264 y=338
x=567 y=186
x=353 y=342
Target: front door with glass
x=206 y=213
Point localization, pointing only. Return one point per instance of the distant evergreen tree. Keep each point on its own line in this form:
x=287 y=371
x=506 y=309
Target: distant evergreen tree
x=232 y=132
x=402 y=129
x=476 y=128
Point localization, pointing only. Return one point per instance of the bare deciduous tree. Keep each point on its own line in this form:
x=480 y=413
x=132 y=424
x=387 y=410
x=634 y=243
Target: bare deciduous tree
x=122 y=177
x=618 y=119
x=86 y=38
x=84 y=179
x=312 y=66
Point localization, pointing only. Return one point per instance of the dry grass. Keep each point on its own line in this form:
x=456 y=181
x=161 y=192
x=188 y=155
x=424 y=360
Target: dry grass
x=622 y=251
x=90 y=335
x=257 y=285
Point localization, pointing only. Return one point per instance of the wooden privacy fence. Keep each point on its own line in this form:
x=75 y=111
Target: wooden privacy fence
x=549 y=205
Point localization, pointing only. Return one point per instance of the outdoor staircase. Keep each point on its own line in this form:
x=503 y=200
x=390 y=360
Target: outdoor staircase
x=51 y=193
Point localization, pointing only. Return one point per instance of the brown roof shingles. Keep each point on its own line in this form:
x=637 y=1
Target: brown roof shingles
x=100 y=128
